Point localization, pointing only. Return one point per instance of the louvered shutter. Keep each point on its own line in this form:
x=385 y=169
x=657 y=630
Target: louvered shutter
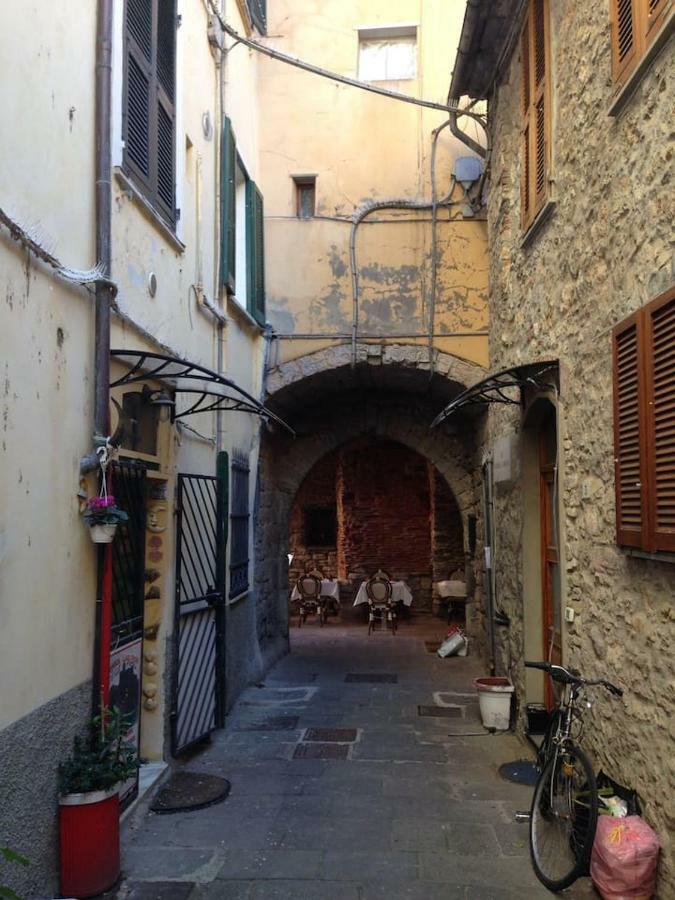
x=655 y=11
x=137 y=89
x=525 y=166
x=149 y=89
x=539 y=125
x=629 y=434
x=228 y=206
x=258 y=10
x=660 y=372
x=624 y=36
x=255 y=244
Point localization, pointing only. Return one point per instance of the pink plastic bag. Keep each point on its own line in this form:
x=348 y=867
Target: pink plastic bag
x=624 y=858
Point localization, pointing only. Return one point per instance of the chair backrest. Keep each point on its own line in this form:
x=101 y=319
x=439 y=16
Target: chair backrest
x=309 y=586
x=378 y=588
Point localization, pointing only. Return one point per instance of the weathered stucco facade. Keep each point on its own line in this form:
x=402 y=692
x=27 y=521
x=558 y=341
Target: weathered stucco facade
x=604 y=250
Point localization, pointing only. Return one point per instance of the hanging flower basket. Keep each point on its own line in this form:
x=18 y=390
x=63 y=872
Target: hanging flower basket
x=103 y=517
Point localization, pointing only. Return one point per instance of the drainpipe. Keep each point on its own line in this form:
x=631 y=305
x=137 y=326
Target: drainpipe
x=104 y=300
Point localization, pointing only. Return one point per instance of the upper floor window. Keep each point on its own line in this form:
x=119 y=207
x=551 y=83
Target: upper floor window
x=258 y=11
x=242 y=239
x=635 y=25
x=149 y=100
x=535 y=111
x=388 y=54
x=644 y=426
x=305 y=195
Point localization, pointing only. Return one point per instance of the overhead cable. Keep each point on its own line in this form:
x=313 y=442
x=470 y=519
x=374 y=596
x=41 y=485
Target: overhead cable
x=333 y=76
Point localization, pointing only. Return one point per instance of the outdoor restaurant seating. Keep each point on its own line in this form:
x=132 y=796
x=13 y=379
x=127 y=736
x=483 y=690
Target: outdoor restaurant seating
x=381 y=606
x=310 y=601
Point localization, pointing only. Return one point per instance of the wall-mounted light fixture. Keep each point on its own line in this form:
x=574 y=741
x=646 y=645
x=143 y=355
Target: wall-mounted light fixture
x=161 y=400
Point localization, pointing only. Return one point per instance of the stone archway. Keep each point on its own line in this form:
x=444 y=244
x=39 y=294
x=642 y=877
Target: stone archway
x=390 y=394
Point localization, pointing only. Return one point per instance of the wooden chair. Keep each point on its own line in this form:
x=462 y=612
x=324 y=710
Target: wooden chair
x=311 y=601
x=380 y=604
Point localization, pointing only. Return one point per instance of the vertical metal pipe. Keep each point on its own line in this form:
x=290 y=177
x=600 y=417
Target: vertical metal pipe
x=104 y=297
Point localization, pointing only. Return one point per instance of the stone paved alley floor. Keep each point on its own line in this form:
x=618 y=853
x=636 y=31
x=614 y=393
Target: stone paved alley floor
x=413 y=812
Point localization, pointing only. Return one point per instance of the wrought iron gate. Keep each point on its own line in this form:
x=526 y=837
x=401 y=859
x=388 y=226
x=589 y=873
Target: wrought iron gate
x=199 y=678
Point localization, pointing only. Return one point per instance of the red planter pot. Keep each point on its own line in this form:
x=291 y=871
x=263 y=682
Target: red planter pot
x=89 y=827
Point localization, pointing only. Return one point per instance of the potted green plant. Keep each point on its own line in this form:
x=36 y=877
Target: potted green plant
x=103 y=516
x=89 y=781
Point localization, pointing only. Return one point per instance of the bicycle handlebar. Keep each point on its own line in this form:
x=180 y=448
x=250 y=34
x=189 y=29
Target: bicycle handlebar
x=566 y=676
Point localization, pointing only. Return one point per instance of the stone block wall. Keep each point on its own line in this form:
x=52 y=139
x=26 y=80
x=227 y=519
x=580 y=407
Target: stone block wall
x=605 y=251
x=317 y=490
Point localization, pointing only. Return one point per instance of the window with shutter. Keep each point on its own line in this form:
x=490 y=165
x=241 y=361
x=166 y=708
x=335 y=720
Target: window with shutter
x=149 y=94
x=255 y=244
x=228 y=209
x=258 y=11
x=534 y=111
x=644 y=426
x=635 y=25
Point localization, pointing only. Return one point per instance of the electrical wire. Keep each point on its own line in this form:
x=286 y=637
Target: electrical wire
x=325 y=73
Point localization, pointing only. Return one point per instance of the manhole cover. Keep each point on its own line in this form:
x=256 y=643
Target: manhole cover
x=276 y=723
x=521 y=771
x=432 y=646
x=331 y=735
x=321 y=751
x=372 y=678
x=190 y=790
x=440 y=712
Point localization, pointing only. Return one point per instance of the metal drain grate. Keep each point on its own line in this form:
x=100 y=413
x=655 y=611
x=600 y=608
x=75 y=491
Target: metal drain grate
x=440 y=712
x=331 y=735
x=372 y=678
x=275 y=723
x=321 y=751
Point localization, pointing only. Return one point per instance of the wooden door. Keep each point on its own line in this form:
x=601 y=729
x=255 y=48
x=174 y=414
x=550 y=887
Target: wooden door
x=550 y=559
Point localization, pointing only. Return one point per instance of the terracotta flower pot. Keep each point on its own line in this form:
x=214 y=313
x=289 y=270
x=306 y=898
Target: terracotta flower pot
x=89 y=828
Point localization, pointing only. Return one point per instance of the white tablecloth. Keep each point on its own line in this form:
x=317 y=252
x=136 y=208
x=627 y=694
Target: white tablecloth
x=330 y=587
x=400 y=593
x=451 y=589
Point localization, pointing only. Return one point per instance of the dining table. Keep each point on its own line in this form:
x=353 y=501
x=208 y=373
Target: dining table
x=330 y=588
x=400 y=593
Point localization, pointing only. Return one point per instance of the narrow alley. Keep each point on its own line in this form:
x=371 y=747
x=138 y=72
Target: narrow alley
x=411 y=807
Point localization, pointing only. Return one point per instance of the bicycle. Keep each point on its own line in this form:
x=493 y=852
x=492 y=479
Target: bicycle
x=564 y=811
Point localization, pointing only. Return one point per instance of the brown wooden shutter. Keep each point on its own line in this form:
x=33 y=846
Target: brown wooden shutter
x=660 y=371
x=624 y=36
x=540 y=112
x=525 y=94
x=654 y=16
x=629 y=434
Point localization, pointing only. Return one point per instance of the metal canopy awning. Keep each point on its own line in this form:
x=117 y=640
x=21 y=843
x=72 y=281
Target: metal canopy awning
x=499 y=388
x=211 y=392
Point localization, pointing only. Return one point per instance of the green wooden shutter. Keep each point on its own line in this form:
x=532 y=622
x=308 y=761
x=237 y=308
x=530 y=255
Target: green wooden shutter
x=228 y=208
x=255 y=253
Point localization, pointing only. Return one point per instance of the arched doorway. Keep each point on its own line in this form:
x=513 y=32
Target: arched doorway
x=372 y=504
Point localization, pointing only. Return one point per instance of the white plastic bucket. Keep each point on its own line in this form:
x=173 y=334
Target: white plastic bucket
x=494 y=700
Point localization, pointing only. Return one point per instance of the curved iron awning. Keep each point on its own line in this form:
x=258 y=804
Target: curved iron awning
x=495 y=388
x=210 y=391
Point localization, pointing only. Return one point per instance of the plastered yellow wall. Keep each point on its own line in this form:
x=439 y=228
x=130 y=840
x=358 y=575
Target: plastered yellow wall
x=363 y=147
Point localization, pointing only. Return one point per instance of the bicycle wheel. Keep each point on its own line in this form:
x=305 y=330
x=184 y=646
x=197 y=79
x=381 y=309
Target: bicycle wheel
x=563 y=818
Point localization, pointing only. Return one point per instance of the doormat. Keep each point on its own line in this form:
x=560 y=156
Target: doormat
x=372 y=678
x=331 y=735
x=274 y=723
x=521 y=771
x=440 y=712
x=190 y=790
x=321 y=751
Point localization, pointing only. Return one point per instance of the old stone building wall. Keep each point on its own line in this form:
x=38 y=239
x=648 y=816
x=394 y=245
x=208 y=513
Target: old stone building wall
x=604 y=252
x=316 y=491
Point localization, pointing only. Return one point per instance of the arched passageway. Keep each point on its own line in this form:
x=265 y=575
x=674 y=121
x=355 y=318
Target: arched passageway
x=391 y=395
x=377 y=504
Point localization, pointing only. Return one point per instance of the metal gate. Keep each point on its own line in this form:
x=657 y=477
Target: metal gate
x=199 y=677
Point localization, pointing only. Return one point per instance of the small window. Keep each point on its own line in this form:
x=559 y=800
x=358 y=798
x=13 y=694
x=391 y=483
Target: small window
x=305 y=196
x=239 y=525
x=321 y=526
x=635 y=25
x=258 y=11
x=644 y=426
x=388 y=54
x=138 y=423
